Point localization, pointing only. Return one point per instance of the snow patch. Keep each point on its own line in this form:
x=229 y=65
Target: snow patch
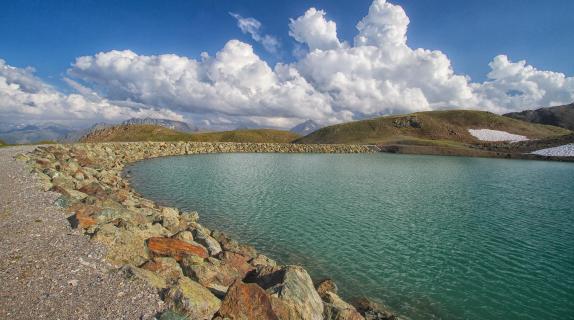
x=495 y=135
x=566 y=150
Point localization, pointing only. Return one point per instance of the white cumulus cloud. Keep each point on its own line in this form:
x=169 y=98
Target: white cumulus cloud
x=314 y=30
x=233 y=83
x=516 y=85
x=333 y=81
x=252 y=27
x=23 y=96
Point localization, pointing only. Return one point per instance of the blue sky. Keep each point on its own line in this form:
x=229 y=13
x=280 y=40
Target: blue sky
x=343 y=81
x=49 y=35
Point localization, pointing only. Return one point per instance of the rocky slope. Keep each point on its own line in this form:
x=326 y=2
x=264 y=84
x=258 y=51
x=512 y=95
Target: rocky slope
x=200 y=273
x=560 y=116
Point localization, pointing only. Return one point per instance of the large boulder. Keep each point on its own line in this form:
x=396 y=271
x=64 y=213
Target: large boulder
x=247 y=301
x=211 y=272
x=167 y=247
x=207 y=241
x=169 y=218
x=192 y=299
x=292 y=293
x=150 y=277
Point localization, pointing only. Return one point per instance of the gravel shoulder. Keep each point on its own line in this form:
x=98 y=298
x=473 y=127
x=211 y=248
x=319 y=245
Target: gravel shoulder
x=49 y=270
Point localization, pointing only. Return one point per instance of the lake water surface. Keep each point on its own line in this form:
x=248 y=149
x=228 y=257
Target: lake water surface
x=431 y=237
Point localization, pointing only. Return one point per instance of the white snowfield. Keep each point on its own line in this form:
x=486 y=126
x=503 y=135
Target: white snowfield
x=495 y=135
x=566 y=150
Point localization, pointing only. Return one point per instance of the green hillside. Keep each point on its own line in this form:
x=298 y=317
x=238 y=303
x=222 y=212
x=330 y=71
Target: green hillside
x=433 y=127
x=443 y=133
x=132 y=133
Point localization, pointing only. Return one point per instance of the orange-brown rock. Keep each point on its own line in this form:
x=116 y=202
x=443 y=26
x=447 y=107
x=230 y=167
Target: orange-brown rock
x=237 y=261
x=175 y=248
x=247 y=301
x=82 y=215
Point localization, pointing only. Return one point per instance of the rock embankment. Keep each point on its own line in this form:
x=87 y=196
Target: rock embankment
x=199 y=273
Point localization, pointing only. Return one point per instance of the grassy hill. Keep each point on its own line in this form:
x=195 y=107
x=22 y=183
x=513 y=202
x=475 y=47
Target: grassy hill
x=560 y=116
x=434 y=132
x=127 y=133
x=427 y=127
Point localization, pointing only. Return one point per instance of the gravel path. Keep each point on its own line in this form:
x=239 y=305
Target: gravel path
x=50 y=271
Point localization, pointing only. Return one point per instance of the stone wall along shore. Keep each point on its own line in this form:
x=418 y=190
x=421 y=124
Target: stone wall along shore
x=200 y=273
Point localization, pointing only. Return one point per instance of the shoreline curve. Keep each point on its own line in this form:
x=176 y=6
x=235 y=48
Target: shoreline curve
x=199 y=273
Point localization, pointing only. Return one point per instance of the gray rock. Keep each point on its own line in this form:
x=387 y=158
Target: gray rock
x=207 y=241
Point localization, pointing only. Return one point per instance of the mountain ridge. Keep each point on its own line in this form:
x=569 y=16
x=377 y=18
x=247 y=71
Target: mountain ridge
x=560 y=116
x=306 y=127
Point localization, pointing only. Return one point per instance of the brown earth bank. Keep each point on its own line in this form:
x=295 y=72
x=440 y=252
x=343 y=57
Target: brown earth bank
x=199 y=273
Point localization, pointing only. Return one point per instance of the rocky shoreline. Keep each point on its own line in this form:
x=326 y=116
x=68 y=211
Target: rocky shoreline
x=199 y=273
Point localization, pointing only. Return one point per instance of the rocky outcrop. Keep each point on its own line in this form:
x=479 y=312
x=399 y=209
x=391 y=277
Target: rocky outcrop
x=201 y=274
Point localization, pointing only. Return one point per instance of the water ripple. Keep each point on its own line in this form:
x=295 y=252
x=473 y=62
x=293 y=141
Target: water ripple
x=431 y=237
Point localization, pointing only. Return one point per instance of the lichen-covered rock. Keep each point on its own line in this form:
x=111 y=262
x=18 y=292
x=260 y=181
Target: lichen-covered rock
x=207 y=241
x=169 y=218
x=186 y=236
x=292 y=291
x=125 y=246
x=326 y=285
x=63 y=181
x=175 y=248
x=337 y=309
x=150 y=277
x=73 y=195
x=165 y=267
x=192 y=299
x=263 y=260
x=209 y=272
x=247 y=301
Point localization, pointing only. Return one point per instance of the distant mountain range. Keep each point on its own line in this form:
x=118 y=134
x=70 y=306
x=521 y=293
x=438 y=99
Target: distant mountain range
x=21 y=134
x=32 y=133
x=560 y=116
x=306 y=127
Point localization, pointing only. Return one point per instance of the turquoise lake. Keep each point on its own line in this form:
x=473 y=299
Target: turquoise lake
x=430 y=237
